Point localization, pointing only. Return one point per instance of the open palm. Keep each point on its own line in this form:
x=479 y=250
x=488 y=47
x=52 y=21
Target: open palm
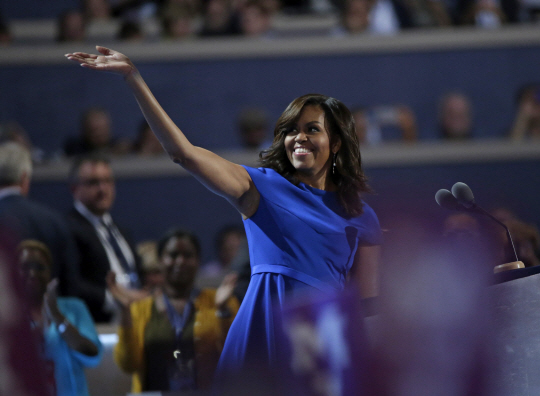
x=109 y=60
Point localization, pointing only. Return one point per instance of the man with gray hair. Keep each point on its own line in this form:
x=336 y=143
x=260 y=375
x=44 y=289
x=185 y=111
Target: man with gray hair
x=27 y=219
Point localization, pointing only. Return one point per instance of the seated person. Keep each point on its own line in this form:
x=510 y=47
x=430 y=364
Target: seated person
x=455 y=117
x=95 y=136
x=71 y=26
x=172 y=339
x=255 y=20
x=525 y=238
x=379 y=124
x=69 y=340
x=254 y=128
x=146 y=143
x=527 y=120
x=376 y=17
x=219 y=19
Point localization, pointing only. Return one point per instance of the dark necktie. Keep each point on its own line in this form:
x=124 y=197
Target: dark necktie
x=113 y=241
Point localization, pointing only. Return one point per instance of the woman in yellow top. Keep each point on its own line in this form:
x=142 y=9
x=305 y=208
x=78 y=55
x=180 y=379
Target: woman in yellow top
x=172 y=339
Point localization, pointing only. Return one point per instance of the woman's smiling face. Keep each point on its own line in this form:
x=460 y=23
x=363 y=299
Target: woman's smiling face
x=308 y=144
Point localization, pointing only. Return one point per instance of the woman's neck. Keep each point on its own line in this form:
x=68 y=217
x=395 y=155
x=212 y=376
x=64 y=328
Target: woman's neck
x=320 y=181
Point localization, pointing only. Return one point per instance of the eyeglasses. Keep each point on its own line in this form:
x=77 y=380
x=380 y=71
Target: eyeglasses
x=94 y=182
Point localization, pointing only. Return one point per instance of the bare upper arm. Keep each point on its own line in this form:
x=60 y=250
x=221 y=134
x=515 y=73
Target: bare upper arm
x=224 y=178
x=366 y=271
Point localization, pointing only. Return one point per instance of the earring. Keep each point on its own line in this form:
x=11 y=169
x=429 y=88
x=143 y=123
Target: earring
x=334 y=164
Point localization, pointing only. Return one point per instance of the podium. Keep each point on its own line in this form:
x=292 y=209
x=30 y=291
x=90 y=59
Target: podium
x=516 y=297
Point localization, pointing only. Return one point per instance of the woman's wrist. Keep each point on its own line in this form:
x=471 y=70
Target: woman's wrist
x=132 y=74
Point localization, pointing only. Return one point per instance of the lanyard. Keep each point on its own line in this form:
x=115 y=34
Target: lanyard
x=178 y=322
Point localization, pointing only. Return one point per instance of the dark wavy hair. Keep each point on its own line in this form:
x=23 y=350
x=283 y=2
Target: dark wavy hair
x=339 y=122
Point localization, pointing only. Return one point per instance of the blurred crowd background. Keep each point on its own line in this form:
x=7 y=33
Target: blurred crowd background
x=441 y=91
x=154 y=20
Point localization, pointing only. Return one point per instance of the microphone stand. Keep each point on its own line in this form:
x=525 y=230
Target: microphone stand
x=506 y=266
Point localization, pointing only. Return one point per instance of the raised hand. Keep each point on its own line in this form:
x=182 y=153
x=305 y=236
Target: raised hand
x=109 y=61
x=225 y=290
x=50 y=303
x=124 y=297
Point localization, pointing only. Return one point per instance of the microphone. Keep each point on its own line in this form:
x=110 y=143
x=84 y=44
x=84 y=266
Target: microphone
x=464 y=195
x=462 y=198
x=446 y=200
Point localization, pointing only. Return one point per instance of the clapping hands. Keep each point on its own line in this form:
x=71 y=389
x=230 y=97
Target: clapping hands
x=225 y=290
x=123 y=296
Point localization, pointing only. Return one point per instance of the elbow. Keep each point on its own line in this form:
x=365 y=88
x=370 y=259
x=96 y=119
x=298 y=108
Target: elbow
x=177 y=159
x=181 y=158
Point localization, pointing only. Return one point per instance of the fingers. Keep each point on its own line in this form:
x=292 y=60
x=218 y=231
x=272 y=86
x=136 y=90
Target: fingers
x=105 y=50
x=230 y=279
x=52 y=285
x=80 y=55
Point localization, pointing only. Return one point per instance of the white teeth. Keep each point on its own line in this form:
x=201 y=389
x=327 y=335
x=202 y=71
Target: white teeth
x=301 y=150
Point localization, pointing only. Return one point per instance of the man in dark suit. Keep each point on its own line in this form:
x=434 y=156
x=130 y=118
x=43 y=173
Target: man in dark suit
x=102 y=246
x=23 y=218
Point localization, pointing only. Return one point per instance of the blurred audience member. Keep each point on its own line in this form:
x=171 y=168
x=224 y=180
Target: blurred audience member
x=527 y=119
x=102 y=246
x=12 y=131
x=526 y=242
x=23 y=372
x=484 y=14
x=229 y=239
x=219 y=19
x=354 y=17
x=525 y=10
x=71 y=26
x=503 y=214
x=178 y=18
x=525 y=236
x=462 y=226
x=26 y=219
x=95 y=135
x=429 y=13
x=130 y=31
x=455 y=116
x=97 y=10
x=256 y=20
x=135 y=10
x=5 y=33
x=172 y=340
x=373 y=16
x=146 y=143
x=253 y=125
x=194 y=7
x=179 y=25
x=368 y=132
x=69 y=340
x=377 y=124
x=152 y=273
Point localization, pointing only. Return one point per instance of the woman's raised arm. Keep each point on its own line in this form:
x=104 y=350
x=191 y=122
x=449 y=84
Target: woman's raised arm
x=223 y=177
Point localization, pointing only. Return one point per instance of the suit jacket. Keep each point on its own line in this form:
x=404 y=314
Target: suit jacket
x=94 y=264
x=27 y=219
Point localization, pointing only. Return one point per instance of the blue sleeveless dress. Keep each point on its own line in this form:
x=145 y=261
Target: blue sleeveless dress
x=299 y=242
